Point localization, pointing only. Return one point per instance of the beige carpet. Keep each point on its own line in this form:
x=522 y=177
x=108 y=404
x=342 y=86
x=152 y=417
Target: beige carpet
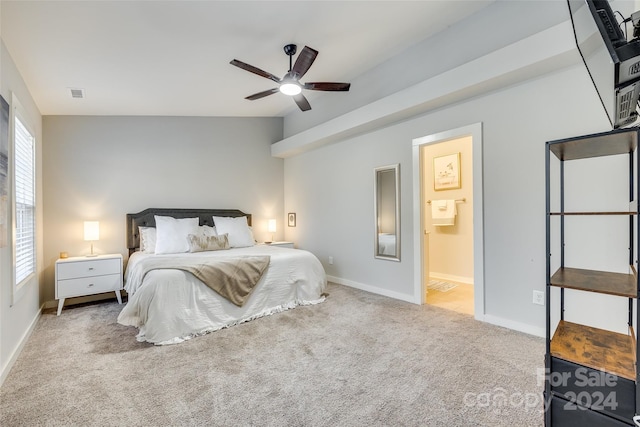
x=358 y=359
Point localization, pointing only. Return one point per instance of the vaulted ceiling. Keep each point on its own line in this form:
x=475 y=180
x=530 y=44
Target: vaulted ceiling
x=172 y=57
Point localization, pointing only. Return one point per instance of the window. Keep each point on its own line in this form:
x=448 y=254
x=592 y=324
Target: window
x=24 y=200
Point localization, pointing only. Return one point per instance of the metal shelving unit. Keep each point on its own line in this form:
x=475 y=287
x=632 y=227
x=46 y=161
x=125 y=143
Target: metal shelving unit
x=591 y=373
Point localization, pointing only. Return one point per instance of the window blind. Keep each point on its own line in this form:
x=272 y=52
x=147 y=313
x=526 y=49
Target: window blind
x=25 y=202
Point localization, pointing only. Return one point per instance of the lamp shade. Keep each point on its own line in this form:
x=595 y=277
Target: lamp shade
x=92 y=230
x=271 y=226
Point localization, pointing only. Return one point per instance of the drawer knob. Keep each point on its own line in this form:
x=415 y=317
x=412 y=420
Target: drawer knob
x=90 y=268
x=90 y=285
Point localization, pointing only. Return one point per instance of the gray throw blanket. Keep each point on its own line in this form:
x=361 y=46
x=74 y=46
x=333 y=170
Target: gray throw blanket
x=232 y=277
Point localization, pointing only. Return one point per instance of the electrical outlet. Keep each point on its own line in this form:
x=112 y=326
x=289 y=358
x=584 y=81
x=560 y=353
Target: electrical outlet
x=538 y=297
x=330 y=260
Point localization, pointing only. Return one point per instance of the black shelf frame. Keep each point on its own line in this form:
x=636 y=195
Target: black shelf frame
x=616 y=142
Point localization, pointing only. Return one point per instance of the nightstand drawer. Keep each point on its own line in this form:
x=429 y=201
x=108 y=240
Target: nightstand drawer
x=87 y=286
x=97 y=267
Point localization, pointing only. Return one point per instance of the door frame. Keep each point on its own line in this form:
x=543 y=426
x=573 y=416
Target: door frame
x=419 y=288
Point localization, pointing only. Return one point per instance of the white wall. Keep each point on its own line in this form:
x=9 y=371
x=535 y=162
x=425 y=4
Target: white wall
x=17 y=319
x=492 y=28
x=101 y=168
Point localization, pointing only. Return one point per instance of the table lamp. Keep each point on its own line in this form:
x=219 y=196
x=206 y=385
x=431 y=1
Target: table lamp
x=92 y=233
x=271 y=227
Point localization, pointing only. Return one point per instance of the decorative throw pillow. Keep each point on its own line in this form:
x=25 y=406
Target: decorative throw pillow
x=240 y=234
x=147 y=239
x=200 y=243
x=171 y=234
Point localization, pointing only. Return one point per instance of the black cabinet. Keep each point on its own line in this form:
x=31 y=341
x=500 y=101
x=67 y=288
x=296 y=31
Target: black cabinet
x=591 y=376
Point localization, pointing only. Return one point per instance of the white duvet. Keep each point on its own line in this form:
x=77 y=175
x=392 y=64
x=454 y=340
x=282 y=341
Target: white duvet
x=169 y=306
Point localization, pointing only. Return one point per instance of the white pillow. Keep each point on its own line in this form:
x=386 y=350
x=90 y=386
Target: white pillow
x=238 y=230
x=171 y=234
x=147 y=239
x=206 y=230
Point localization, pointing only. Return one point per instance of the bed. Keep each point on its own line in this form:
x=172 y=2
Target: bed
x=170 y=301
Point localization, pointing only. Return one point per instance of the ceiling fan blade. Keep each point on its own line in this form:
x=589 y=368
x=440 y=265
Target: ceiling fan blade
x=329 y=86
x=304 y=61
x=302 y=102
x=262 y=94
x=254 y=70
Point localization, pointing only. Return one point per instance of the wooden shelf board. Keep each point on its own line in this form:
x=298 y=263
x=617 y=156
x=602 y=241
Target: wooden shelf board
x=603 y=282
x=595 y=348
x=622 y=141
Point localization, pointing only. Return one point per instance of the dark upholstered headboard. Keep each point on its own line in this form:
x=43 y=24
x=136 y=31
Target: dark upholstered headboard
x=146 y=219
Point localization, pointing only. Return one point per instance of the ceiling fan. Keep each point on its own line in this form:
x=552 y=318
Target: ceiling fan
x=290 y=83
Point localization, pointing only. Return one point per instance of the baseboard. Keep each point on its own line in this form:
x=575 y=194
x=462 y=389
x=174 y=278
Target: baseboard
x=50 y=304
x=510 y=324
x=451 y=278
x=372 y=289
x=16 y=352
x=487 y=318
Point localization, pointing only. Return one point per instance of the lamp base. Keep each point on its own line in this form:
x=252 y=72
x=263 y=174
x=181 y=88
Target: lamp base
x=91 y=255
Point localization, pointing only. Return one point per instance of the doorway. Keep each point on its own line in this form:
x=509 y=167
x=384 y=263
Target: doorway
x=449 y=267
x=447 y=213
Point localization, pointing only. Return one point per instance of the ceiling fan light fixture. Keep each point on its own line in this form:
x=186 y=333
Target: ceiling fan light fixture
x=290 y=89
x=290 y=84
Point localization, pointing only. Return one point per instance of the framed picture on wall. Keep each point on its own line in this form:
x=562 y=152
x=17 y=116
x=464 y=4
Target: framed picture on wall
x=446 y=172
x=291 y=219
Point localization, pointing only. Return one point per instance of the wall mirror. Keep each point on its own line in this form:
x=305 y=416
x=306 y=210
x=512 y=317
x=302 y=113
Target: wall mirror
x=386 y=197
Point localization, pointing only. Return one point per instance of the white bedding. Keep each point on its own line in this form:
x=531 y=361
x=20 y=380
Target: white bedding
x=169 y=306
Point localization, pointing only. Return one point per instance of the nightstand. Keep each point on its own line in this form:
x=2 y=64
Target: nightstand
x=81 y=276
x=281 y=244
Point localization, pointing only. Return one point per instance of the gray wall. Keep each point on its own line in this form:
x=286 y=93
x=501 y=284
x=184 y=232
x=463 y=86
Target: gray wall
x=18 y=317
x=333 y=194
x=330 y=187
x=101 y=168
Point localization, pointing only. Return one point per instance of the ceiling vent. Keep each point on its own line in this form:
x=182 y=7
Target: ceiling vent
x=77 y=93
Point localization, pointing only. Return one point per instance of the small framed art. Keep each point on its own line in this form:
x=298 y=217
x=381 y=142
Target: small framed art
x=291 y=219
x=446 y=172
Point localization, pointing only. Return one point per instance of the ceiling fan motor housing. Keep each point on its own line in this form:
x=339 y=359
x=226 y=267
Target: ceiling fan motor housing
x=290 y=49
